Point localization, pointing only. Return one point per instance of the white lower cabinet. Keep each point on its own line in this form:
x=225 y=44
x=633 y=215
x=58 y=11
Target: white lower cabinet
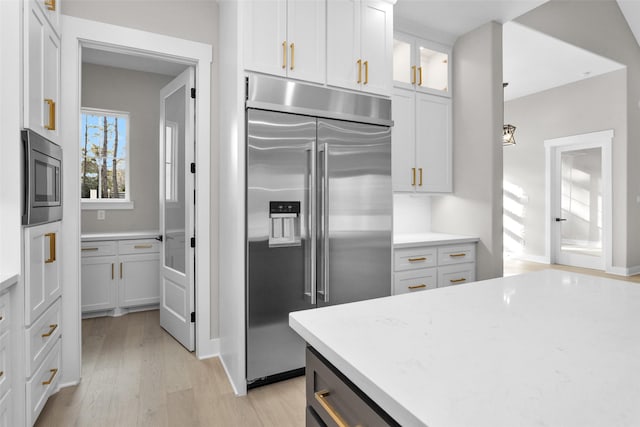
x=43 y=383
x=120 y=274
x=433 y=266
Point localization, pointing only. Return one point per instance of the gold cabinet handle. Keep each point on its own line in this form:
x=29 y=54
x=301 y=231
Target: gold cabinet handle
x=293 y=58
x=121 y=270
x=366 y=72
x=52 y=115
x=457 y=255
x=421 y=286
x=89 y=249
x=359 y=62
x=417 y=259
x=321 y=397
x=413 y=74
x=458 y=280
x=51 y=4
x=420 y=169
x=112 y=271
x=284 y=54
x=142 y=246
x=420 y=76
x=52 y=248
x=52 y=328
x=413 y=177
x=53 y=371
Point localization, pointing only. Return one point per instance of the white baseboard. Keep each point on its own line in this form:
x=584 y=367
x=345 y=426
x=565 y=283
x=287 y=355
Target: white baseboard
x=208 y=349
x=623 y=271
x=541 y=259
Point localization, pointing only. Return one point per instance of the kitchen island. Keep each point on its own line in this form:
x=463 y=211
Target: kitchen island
x=546 y=348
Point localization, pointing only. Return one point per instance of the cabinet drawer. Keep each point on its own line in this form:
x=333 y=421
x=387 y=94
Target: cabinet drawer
x=147 y=246
x=456 y=254
x=415 y=280
x=456 y=274
x=331 y=394
x=43 y=383
x=41 y=336
x=410 y=258
x=90 y=249
x=4 y=312
x=5 y=411
x=5 y=369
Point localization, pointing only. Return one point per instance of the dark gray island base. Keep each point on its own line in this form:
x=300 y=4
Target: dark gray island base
x=333 y=400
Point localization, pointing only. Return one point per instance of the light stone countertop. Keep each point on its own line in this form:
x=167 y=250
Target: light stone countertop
x=126 y=235
x=549 y=348
x=7 y=280
x=411 y=240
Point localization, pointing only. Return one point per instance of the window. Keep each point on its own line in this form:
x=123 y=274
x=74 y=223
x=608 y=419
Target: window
x=104 y=168
x=171 y=162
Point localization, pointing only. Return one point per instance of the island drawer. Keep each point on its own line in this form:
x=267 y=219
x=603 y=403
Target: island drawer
x=337 y=400
x=147 y=246
x=41 y=336
x=415 y=280
x=456 y=274
x=412 y=258
x=456 y=254
x=90 y=249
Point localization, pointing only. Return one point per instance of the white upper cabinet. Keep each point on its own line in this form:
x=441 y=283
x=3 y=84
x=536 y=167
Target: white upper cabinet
x=421 y=65
x=285 y=38
x=403 y=134
x=359 y=45
x=42 y=73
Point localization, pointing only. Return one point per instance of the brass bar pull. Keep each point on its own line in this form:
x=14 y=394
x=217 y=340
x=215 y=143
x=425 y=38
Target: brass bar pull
x=420 y=169
x=421 y=286
x=51 y=4
x=143 y=246
x=121 y=270
x=293 y=58
x=417 y=259
x=112 y=275
x=420 y=76
x=359 y=62
x=52 y=115
x=321 y=396
x=52 y=328
x=53 y=371
x=458 y=280
x=413 y=74
x=457 y=255
x=284 y=54
x=52 y=248
x=413 y=177
x=89 y=249
x=366 y=72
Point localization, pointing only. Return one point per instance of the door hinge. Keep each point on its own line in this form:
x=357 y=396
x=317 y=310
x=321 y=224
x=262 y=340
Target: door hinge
x=193 y=317
x=193 y=242
x=159 y=238
x=193 y=92
x=193 y=168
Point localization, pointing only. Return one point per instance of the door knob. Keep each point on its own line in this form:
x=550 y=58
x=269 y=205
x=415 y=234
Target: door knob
x=560 y=219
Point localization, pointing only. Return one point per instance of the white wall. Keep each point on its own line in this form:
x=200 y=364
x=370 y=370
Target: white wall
x=475 y=207
x=600 y=27
x=411 y=213
x=586 y=106
x=137 y=93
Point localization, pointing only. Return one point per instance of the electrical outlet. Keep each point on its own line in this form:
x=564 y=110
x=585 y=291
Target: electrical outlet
x=101 y=215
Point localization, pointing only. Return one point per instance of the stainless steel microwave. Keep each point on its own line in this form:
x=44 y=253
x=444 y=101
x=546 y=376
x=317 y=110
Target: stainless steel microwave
x=42 y=181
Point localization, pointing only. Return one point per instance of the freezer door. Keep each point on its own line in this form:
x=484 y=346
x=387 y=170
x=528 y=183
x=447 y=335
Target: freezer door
x=280 y=168
x=355 y=212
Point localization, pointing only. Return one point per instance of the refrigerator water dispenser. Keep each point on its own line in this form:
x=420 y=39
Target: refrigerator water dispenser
x=284 y=227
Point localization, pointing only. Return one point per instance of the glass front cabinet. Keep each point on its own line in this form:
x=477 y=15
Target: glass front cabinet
x=422 y=65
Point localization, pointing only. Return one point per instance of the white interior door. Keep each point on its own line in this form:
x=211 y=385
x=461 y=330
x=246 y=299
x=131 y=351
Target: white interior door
x=177 y=224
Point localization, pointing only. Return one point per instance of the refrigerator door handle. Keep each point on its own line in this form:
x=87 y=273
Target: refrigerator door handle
x=324 y=217
x=311 y=227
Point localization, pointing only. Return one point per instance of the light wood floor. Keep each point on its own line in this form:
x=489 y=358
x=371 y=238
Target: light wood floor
x=135 y=374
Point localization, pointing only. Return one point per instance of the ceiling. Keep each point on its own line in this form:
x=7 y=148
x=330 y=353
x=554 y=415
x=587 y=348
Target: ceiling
x=147 y=64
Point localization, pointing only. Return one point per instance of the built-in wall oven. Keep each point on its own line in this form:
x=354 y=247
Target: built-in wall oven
x=42 y=179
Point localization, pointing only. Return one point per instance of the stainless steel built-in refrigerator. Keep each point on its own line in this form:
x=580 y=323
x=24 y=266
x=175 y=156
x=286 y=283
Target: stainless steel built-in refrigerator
x=319 y=212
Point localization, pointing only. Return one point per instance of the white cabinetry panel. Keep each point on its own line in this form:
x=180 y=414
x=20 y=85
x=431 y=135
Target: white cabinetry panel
x=265 y=36
x=433 y=143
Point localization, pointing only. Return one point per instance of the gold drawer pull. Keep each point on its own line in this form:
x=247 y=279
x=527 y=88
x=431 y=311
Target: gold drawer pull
x=458 y=280
x=417 y=286
x=52 y=248
x=321 y=396
x=121 y=270
x=420 y=73
x=52 y=328
x=53 y=371
x=143 y=246
x=420 y=169
x=359 y=62
x=90 y=249
x=52 y=115
x=366 y=72
x=112 y=277
x=417 y=259
x=51 y=4
x=293 y=57
x=413 y=177
x=413 y=74
x=457 y=255
x=284 y=54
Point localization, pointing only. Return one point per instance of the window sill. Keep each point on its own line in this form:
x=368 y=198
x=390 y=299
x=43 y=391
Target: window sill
x=91 y=205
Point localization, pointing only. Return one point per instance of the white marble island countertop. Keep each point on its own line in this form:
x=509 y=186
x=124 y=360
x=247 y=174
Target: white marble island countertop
x=410 y=240
x=549 y=348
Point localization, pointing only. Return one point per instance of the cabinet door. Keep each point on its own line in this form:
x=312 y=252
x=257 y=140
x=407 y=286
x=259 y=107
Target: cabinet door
x=403 y=136
x=433 y=71
x=99 y=283
x=306 y=38
x=343 y=43
x=433 y=143
x=404 y=69
x=265 y=36
x=456 y=274
x=42 y=269
x=139 y=280
x=376 y=46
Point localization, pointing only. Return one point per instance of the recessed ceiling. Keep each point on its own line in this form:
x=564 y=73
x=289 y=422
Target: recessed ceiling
x=145 y=64
x=534 y=62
